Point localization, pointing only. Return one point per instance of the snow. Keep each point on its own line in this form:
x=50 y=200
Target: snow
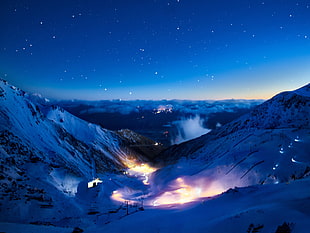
x=303 y=91
x=29 y=228
x=233 y=211
x=48 y=158
x=64 y=182
x=58 y=135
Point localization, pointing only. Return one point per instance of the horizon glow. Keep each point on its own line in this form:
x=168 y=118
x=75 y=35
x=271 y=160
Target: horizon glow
x=157 y=49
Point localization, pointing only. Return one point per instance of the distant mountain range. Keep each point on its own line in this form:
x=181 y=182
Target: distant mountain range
x=161 y=120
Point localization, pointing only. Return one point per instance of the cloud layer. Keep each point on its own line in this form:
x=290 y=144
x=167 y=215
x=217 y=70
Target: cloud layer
x=184 y=106
x=188 y=129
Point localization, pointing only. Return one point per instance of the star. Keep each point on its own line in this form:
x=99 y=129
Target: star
x=154 y=44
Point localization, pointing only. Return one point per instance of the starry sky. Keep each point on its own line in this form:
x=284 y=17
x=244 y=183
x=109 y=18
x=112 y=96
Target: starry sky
x=155 y=49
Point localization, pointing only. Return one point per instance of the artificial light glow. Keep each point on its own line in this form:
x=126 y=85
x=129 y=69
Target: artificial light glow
x=139 y=169
x=94 y=183
x=297 y=139
x=127 y=194
x=136 y=169
x=134 y=166
x=163 y=108
x=142 y=168
x=295 y=161
x=185 y=192
x=118 y=195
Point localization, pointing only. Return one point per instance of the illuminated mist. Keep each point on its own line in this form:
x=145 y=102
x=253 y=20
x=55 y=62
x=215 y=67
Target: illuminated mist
x=188 y=129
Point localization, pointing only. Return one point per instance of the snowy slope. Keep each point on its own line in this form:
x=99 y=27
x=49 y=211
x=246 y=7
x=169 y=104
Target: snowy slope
x=55 y=135
x=46 y=153
x=260 y=209
x=285 y=110
x=271 y=144
x=265 y=151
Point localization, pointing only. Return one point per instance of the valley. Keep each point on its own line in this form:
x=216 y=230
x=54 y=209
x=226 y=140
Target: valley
x=60 y=173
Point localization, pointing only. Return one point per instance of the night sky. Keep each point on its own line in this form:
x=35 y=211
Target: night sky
x=155 y=49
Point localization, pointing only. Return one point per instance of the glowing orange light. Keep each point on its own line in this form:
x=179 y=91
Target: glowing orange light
x=134 y=169
x=117 y=196
x=139 y=169
x=143 y=168
x=122 y=195
x=184 y=192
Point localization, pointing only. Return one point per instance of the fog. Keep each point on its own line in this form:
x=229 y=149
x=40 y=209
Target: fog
x=188 y=129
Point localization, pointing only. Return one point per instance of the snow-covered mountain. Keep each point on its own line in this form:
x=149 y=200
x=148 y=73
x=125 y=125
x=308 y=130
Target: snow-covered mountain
x=270 y=144
x=47 y=152
x=282 y=208
x=56 y=136
x=48 y=155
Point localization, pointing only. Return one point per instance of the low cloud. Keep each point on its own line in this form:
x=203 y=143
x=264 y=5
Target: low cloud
x=188 y=129
x=183 y=106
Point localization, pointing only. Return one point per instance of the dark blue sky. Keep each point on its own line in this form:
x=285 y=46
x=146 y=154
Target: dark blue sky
x=155 y=49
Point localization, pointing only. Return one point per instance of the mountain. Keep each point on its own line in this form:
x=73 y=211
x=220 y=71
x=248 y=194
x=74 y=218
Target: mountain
x=249 y=175
x=265 y=151
x=270 y=144
x=282 y=208
x=56 y=135
x=46 y=153
x=140 y=144
x=161 y=120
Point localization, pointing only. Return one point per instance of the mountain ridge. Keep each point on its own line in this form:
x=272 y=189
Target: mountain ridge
x=48 y=156
x=255 y=119
x=47 y=153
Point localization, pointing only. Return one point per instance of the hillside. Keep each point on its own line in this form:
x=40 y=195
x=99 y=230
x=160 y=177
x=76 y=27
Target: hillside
x=250 y=175
x=46 y=153
x=271 y=144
